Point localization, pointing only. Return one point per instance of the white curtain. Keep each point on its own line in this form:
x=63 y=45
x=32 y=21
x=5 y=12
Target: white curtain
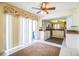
x=30 y=30
x=8 y=19
x=23 y=31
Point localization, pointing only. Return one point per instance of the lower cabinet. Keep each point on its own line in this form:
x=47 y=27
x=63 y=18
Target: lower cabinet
x=47 y=35
x=72 y=41
x=41 y=35
x=57 y=34
x=44 y=35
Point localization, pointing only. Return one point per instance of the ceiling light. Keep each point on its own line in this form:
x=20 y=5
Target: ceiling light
x=42 y=12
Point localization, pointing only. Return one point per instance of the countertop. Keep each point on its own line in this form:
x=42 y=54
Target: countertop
x=72 y=32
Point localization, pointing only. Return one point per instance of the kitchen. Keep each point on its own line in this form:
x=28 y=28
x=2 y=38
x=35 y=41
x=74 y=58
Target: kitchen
x=53 y=29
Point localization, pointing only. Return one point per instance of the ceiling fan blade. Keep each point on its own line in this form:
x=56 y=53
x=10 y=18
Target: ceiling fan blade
x=53 y=8
x=43 y=5
x=38 y=12
x=46 y=4
x=36 y=8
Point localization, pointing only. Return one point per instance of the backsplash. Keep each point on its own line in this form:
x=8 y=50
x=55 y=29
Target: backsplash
x=74 y=28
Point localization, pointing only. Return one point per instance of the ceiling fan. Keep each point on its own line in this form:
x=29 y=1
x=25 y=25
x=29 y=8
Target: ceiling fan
x=44 y=7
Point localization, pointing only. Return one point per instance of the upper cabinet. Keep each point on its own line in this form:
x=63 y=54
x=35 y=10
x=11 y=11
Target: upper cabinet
x=76 y=19
x=73 y=22
x=69 y=22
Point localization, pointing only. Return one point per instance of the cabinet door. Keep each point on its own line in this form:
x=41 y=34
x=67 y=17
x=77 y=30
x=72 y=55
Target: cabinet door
x=72 y=40
x=76 y=21
x=73 y=21
x=41 y=35
x=47 y=34
x=69 y=22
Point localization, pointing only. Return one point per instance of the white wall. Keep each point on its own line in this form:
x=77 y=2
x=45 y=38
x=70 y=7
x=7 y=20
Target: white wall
x=58 y=14
x=39 y=24
x=45 y=24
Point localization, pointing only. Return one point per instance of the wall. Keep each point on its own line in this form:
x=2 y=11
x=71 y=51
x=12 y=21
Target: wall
x=1 y=29
x=44 y=24
x=58 y=14
x=39 y=24
x=15 y=29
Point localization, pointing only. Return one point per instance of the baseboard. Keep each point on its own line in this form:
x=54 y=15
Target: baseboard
x=17 y=48
x=13 y=50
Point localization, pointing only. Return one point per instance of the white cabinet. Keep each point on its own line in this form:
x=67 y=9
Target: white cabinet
x=47 y=35
x=58 y=34
x=76 y=21
x=72 y=40
x=41 y=35
x=69 y=22
x=44 y=35
x=73 y=20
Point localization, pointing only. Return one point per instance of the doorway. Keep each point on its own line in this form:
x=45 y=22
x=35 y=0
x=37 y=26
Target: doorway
x=55 y=30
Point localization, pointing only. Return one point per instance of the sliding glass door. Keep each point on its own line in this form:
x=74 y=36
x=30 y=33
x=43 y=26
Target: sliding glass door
x=32 y=30
x=26 y=32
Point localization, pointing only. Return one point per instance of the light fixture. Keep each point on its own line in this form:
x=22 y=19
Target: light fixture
x=45 y=8
x=43 y=12
x=55 y=21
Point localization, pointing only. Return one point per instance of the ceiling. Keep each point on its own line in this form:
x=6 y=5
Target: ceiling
x=60 y=6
